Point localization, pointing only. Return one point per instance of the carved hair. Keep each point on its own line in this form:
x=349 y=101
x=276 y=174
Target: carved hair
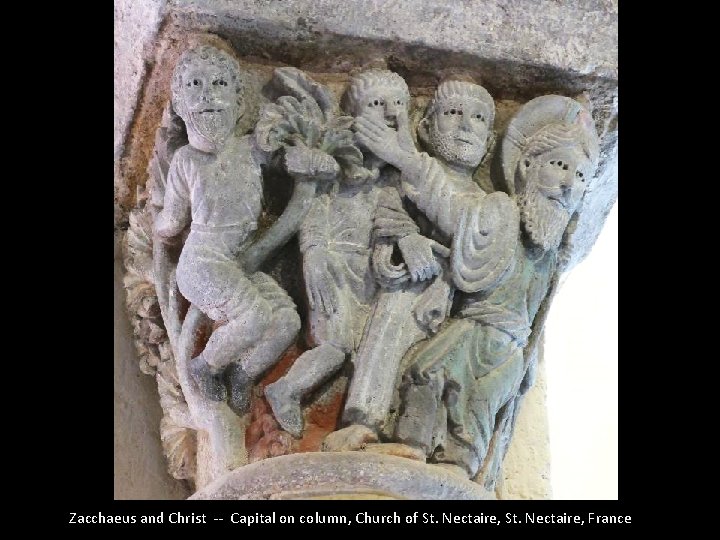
x=367 y=81
x=205 y=54
x=557 y=135
x=454 y=89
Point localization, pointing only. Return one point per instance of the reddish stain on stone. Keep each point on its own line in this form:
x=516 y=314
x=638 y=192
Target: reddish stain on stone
x=201 y=338
x=264 y=438
x=319 y=421
x=282 y=367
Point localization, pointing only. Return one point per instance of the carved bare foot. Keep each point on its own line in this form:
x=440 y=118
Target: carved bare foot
x=285 y=407
x=353 y=437
x=210 y=384
x=240 y=385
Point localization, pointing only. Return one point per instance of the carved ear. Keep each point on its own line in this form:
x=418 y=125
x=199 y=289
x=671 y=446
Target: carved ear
x=521 y=174
x=423 y=132
x=242 y=108
x=489 y=148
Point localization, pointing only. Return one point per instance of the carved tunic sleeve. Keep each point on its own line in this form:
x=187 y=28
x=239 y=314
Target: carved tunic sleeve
x=439 y=197
x=485 y=228
x=314 y=229
x=175 y=214
x=391 y=219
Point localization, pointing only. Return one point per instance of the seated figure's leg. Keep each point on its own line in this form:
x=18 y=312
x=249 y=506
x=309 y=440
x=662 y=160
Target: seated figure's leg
x=313 y=367
x=308 y=372
x=495 y=369
x=241 y=375
x=267 y=349
x=222 y=291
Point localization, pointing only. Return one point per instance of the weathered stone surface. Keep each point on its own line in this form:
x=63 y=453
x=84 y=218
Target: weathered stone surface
x=337 y=46
x=341 y=475
x=140 y=469
x=578 y=37
x=136 y=24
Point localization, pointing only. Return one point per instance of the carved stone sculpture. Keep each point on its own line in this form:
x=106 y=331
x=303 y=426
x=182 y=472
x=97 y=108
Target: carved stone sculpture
x=459 y=380
x=407 y=312
x=336 y=241
x=214 y=186
x=386 y=287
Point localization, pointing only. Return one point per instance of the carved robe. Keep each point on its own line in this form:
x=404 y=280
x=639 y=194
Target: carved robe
x=475 y=365
x=340 y=222
x=459 y=379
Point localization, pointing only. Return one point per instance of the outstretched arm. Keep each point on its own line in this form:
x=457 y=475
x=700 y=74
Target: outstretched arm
x=306 y=167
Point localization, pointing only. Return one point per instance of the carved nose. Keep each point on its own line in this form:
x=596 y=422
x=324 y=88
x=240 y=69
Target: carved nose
x=391 y=108
x=566 y=183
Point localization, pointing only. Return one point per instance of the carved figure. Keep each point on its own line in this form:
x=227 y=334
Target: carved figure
x=457 y=128
x=214 y=184
x=337 y=243
x=459 y=380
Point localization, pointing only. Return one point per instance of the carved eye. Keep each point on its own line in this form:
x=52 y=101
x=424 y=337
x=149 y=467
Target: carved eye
x=479 y=116
x=196 y=82
x=219 y=82
x=460 y=112
x=446 y=113
x=398 y=102
x=580 y=175
x=452 y=111
x=527 y=162
x=382 y=103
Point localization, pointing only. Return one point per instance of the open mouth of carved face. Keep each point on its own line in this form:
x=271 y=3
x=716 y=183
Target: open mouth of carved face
x=391 y=122
x=213 y=122
x=213 y=114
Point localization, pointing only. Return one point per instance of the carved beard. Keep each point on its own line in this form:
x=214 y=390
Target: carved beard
x=447 y=147
x=543 y=220
x=212 y=127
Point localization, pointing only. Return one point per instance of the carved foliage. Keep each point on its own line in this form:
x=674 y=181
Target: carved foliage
x=308 y=116
x=153 y=346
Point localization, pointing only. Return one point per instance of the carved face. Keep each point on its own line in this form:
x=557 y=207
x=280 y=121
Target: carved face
x=554 y=185
x=208 y=104
x=459 y=131
x=383 y=104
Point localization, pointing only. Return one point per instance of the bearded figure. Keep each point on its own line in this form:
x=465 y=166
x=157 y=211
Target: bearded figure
x=458 y=381
x=214 y=188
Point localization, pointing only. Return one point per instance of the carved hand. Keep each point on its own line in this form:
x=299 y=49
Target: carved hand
x=386 y=273
x=418 y=255
x=405 y=138
x=434 y=304
x=381 y=140
x=321 y=280
x=167 y=230
x=304 y=164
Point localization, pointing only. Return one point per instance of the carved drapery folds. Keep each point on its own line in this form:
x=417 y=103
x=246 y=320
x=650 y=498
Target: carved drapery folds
x=387 y=304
